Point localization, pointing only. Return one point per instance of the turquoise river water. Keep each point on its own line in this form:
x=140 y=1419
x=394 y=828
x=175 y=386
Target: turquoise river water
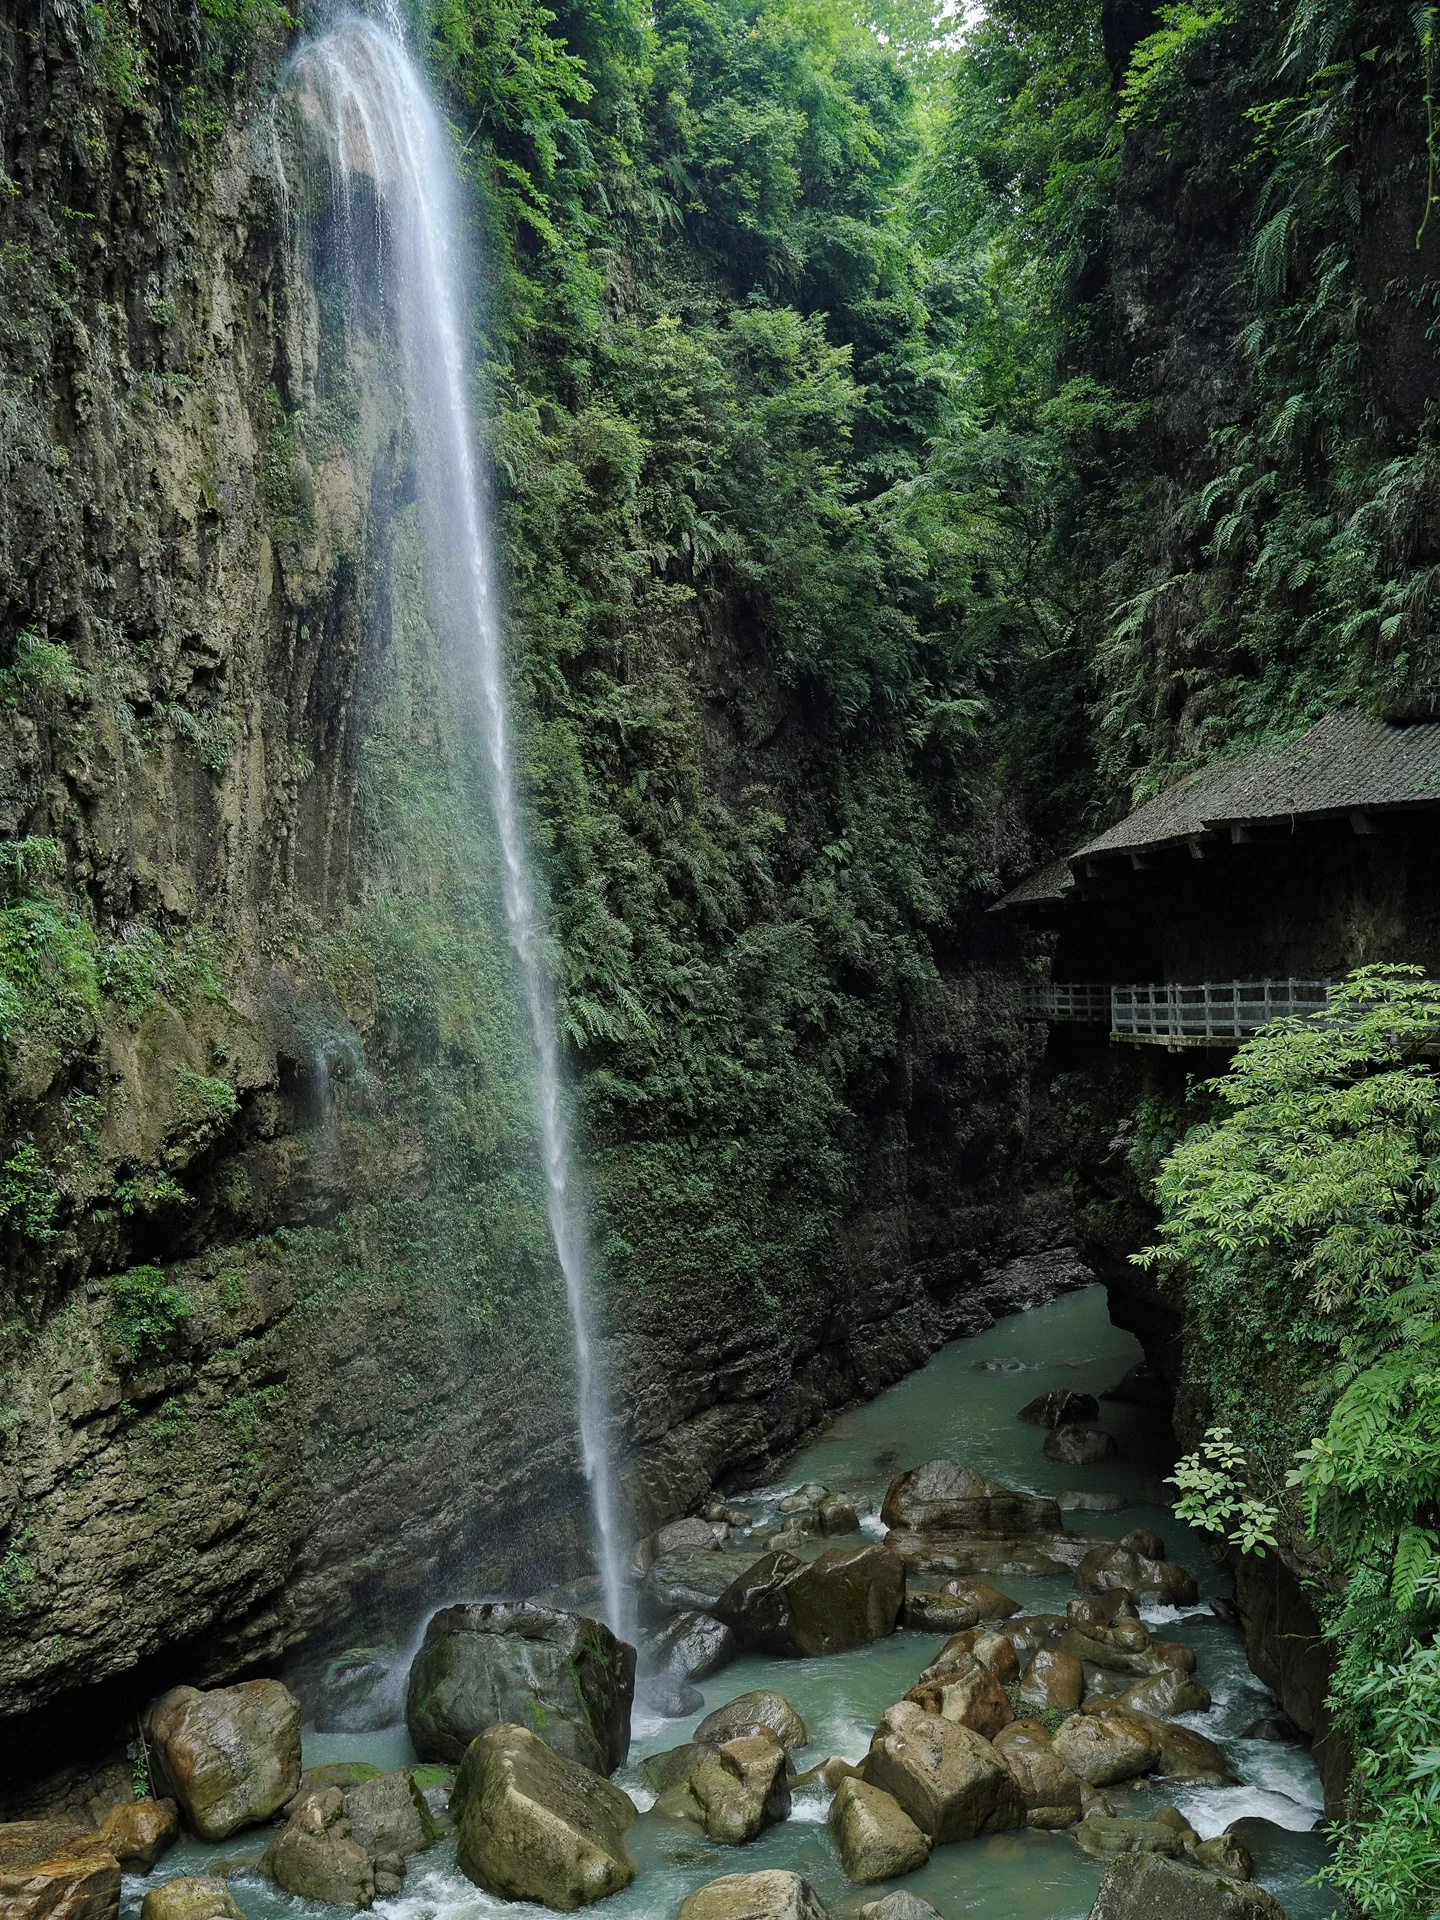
x=957 y=1408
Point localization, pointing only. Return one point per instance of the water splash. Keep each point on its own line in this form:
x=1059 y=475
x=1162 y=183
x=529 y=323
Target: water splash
x=359 y=89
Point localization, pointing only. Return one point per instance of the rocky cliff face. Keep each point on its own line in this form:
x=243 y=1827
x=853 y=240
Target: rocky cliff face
x=283 y=1350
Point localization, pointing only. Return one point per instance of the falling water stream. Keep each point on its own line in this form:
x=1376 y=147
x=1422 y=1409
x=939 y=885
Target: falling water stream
x=358 y=85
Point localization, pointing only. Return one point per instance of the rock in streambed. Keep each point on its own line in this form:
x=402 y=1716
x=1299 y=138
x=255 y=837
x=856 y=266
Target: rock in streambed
x=754 y=1896
x=535 y=1826
x=945 y=1497
x=949 y=1779
x=877 y=1838
x=513 y=1662
x=734 y=1790
x=1147 y=1886
x=229 y=1757
x=845 y=1599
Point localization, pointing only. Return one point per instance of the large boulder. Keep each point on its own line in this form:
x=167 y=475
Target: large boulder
x=230 y=1757
x=389 y=1816
x=1080 y=1446
x=989 y=1603
x=900 y=1905
x=970 y=1695
x=877 y=1838
x=85 y=1887
x=692 y=1646
x=1166 y=1694
x=1105 y=1751
x=846 y=1598
x=753 y=1896
x=948 y=1779
x=945 y=1497
x=764 y=1707
x=317 y=1858
x=693 y=1580
x=534 y=1825
x=361 y=1691
x=1147 y=1886
x=137 y=1832
x=1054 y=1796
x=683 y=1536
x=516 y=1663
x=1054 y=1681
x=1117 y=1568
x=936 y=1613
x=1183 y=1756
x=1107 y=1839
x=1060 y=1408
x=196 y=1897
x=738 y=1789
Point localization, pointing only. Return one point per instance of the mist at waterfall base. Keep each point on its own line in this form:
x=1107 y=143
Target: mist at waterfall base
x=358 y=87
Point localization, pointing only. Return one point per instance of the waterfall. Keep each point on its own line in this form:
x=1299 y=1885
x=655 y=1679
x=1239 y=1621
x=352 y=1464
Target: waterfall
x=359 y=86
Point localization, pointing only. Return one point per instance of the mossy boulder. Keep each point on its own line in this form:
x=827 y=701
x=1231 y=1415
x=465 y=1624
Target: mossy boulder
x=196 y=1897
x=847 y=1598
x=754 y=1896
x=564 y=1676
x=1053 y=1794
x=534 y=1825
x=1147 y=1886
x=230 y=1757
x=877 y=1838
x=950 y=1780
x=740 y=1788
x=318 y=1858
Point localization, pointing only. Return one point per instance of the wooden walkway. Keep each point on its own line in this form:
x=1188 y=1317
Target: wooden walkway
x=1213 y=1013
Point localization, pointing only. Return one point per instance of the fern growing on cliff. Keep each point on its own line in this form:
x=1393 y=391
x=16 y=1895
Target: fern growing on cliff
x=1304 y=1222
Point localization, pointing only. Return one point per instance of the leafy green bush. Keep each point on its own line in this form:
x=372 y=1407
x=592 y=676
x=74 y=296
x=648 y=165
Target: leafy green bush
x=145 y=1311
x=1304 y=1221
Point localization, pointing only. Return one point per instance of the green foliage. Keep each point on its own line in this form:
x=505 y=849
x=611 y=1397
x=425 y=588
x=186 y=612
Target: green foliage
x=1160 y=59
x=16 y=1574
x=1305 y=1223
x=39 y=670
x=145 y=1312
x=29 y=1196
x=1214 y=1494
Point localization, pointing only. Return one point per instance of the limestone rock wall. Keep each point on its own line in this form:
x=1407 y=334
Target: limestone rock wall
x=283 y=1357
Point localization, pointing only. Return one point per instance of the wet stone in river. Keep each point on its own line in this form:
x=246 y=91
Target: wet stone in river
x=485 y=1666
x=196 y=1897
x=877 y=1839
x=1060 y=1408
x=945 y=1497
x=763 y=1707
x=948 y=1779
x=535 y=1826
x=1080 y=1446
x=229 y=1757
x=754 y=1896
x=845 y=1599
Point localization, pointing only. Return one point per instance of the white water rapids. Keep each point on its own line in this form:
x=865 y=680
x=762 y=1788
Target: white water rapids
x=358 y=86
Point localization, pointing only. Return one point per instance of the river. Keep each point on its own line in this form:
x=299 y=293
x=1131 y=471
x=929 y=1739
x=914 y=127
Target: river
x=961 y=1405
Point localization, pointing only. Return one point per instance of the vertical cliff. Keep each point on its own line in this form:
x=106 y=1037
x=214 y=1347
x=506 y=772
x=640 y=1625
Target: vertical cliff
x=283 y=1346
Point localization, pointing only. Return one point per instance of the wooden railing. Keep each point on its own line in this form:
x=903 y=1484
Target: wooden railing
x=1212 y=1013
x=1069 y=1000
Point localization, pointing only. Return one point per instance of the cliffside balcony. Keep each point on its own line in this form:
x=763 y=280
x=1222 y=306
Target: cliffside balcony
x=1214 y=1013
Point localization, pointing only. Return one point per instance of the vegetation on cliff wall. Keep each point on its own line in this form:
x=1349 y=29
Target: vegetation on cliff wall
x=1303 y=1221
x=719 y=358
x=1210 y=230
